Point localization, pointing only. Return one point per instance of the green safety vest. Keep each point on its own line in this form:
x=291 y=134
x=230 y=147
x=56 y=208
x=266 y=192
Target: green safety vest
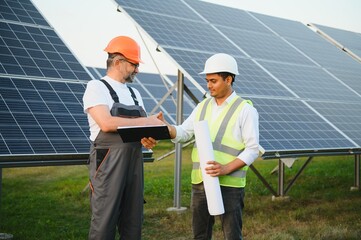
x=225 y=147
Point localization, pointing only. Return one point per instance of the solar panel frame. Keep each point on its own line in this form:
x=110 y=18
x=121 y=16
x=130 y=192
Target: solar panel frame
x=348 y=39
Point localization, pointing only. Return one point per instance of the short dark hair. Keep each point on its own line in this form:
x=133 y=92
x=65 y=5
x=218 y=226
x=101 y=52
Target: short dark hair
x=111 y=57
x=224 y=75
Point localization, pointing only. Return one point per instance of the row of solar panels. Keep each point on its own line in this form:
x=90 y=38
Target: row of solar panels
x=305 y=90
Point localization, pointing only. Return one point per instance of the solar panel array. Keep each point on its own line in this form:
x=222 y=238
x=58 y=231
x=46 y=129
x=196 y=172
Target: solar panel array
x=41 y=87
x=304 y=88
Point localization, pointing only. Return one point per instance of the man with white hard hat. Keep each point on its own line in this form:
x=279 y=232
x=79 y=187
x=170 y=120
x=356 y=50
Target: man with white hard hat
x=234 y=132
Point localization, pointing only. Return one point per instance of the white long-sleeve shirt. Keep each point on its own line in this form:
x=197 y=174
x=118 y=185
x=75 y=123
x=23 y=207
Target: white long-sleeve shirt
x=246 y=128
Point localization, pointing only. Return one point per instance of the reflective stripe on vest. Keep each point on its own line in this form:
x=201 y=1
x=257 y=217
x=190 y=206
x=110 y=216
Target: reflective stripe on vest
x=225 y=147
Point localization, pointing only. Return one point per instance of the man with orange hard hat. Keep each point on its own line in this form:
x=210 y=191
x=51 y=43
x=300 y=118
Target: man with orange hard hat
x=116 y=168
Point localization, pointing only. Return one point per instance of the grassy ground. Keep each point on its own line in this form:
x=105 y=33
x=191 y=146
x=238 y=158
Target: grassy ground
x=49 y=202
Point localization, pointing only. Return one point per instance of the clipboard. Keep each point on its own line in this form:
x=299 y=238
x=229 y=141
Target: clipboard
x=136 y=133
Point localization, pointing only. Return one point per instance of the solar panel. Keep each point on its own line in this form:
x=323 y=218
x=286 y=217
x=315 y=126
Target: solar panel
x=346 y=116
x=266 y=46
x=347 y=39
x=311 y=82
x=21 y=11
x=41 y=87
x=41 y=117
x=350 y=78
x=184 y=33
x=286 y=28
x=292 y=125
x=36 y=51
x=175 y=9
x=326 y=55
x=284 y=67
x=227 y=17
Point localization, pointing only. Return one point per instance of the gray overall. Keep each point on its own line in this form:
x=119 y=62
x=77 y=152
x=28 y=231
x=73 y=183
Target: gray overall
x=117 y=184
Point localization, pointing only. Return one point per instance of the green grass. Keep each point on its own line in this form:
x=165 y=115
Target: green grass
x=49 y=202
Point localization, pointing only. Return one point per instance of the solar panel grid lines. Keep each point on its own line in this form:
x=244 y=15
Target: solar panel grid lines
x=171 y=8
x=38 y=52
x=254 y=28
x=286 y=28
x=236 y=18
x=184 y=34
x=41 y=88
x=48 y=116
x=153 y=92
x=326 y=55
x=311 y=82
x=294 y=32
x=283 y=65
x=291 y=125
x=159 y=90
x=346 y=116
x=21 y=11
x=347 y=39
x=351 y=78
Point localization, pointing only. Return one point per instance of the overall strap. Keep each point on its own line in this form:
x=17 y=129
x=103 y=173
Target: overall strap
x=115 y=96
x=133 y=96
x=111 y=91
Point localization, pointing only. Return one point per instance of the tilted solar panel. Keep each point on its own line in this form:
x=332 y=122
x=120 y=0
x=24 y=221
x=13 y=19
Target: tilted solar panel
x=21 y=11
x=292 y=125
x=39 y=117
x=36 y=51
x=350 y=78
x=284 y=67
x=227 y=17
x=311 y=82
x=41 y=87
x=347 y=39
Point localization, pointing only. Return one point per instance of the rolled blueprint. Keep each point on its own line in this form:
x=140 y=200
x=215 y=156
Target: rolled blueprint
x=205 y=153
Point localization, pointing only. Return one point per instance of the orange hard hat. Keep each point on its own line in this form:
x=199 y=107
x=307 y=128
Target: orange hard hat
x=125 y=46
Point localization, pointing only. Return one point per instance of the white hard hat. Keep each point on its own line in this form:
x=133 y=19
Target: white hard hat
x=220 y=62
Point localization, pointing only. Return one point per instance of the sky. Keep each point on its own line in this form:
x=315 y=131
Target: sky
x=86 y=26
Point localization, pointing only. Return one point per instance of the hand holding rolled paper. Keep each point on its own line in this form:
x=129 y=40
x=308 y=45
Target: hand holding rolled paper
x=205 y=153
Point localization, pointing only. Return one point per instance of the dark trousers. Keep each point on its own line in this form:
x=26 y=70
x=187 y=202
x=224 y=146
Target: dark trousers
x=231 y=220
x=116 y=182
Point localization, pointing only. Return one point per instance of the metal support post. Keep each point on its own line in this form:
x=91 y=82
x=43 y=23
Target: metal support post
x=356 y=186
x=178 y=155
x=298 y=174
x=1 y=183
x=281 y=177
